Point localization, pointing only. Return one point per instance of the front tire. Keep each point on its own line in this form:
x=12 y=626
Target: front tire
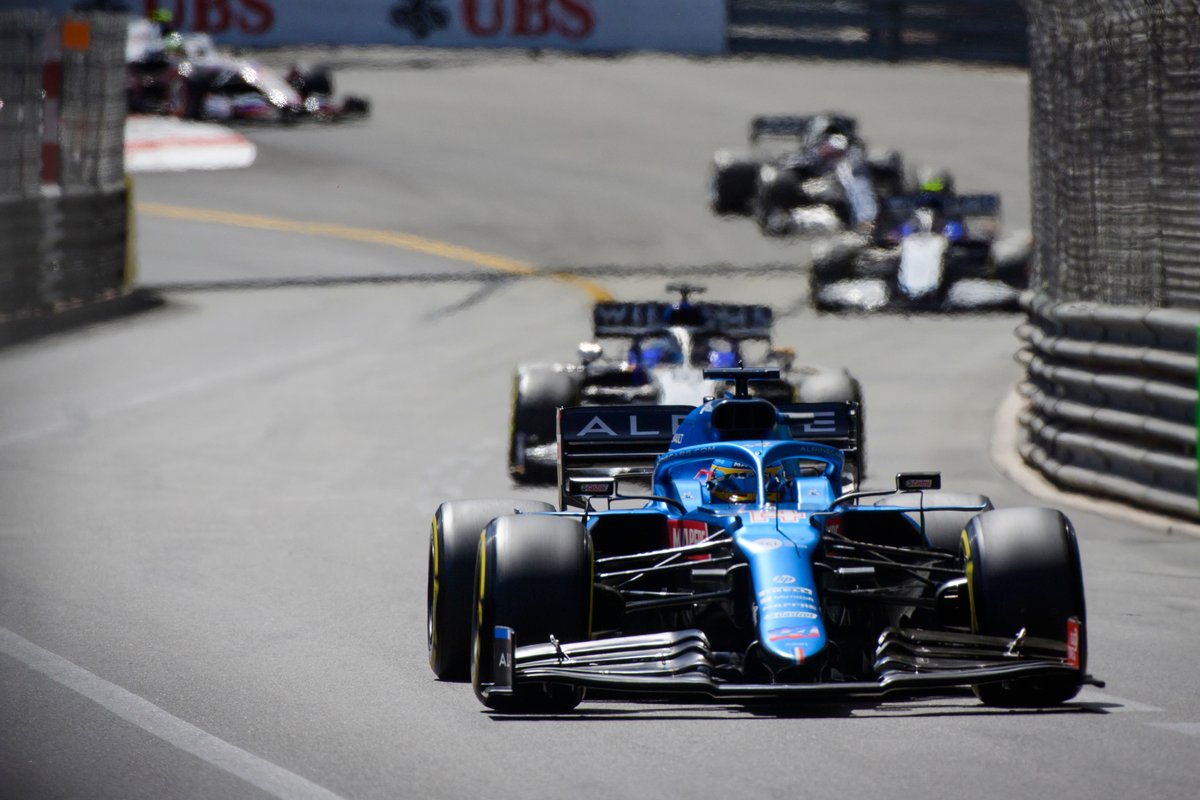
x=532 y=574
x=453 y=542
x=1023 y=572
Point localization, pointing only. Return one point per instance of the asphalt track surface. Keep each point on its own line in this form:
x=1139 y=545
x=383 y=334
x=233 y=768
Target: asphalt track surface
x=215 y=515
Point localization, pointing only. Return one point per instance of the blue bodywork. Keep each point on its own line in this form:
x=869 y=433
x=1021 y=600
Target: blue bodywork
x=777 y=537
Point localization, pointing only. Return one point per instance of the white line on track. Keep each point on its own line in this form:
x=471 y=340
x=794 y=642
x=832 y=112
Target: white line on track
x=256 y=771
x=1190 y=728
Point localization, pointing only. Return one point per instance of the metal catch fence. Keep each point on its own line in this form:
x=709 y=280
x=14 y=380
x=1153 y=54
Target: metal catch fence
x=1110 y=346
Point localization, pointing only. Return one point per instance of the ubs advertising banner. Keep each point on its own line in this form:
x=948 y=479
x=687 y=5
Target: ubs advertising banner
x=683 y=26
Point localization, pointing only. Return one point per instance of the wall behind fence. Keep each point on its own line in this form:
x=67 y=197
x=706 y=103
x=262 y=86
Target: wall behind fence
x=685 y=26
x=1115 y=158
x=63 y=197
x=962 y=30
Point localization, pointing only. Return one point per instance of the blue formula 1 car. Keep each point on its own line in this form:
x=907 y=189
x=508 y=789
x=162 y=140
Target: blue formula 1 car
x=746 y=574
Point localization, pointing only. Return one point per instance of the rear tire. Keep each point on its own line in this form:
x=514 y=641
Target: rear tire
x=774 y=202
x=1023 y=572
x=312 y=80
x=732 y=184
x=532 y=574
x=185 y=98
x=538 y=392
x=453 y=542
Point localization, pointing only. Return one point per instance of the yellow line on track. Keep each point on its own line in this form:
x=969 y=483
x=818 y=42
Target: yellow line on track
x=402 y=241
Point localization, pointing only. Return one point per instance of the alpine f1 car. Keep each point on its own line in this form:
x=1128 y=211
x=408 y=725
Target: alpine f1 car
x=185 y=75
x=934 y=250
x=748 y=573
x=657 y=354
x=804 y=175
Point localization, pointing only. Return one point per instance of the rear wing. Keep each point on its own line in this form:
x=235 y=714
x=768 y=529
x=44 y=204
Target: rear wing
x=835 y=424
x=963 y=205
x=612 y=440
x=627 y=440
x=797 y=125
x=725 y=319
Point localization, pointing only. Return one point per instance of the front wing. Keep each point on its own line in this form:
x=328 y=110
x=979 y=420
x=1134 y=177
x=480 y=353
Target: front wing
x=681 y=663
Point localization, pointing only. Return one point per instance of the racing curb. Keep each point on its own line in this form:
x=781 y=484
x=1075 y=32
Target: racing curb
x=17 y=331
x=1006 y=435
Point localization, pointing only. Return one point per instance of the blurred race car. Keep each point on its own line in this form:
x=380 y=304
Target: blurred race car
x=185 y=75
x=934 y=250
x=804 y=175
x=660 y=354
x=748 y=574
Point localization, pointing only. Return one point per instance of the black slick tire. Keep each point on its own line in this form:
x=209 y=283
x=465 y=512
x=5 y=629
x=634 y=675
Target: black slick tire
x=453 y=543
x=532 y=574
x=1023 y=573
x=732 y=184
x=538 y=392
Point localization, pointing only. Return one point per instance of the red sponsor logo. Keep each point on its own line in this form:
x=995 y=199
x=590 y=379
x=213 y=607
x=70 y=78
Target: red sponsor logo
x=684 y=532
x=570 y=19
x=833 y=525
x=1073 y=642
x=253 y=17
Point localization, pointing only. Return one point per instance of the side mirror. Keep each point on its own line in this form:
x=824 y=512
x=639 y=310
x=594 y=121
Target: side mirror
x=592 y=487
x=784 y=357
x=917 y=481
x=590 y=351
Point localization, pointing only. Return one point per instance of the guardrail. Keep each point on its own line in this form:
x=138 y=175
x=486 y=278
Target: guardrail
x=57 y=253
x=64 y=202
x=1111 y=394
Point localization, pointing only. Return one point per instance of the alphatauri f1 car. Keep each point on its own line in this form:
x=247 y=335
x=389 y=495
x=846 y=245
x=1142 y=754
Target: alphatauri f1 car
x=657 y=354
x=748 y=574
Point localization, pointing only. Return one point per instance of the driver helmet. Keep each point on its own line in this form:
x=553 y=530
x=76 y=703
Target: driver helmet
x=731 y=481
x=722 y=358
x=164 y=20
x=833 y=146
x=935 y=181
x=661 y=350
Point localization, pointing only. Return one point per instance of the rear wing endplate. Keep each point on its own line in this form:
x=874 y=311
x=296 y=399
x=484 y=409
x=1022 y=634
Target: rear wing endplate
x=835 y=424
